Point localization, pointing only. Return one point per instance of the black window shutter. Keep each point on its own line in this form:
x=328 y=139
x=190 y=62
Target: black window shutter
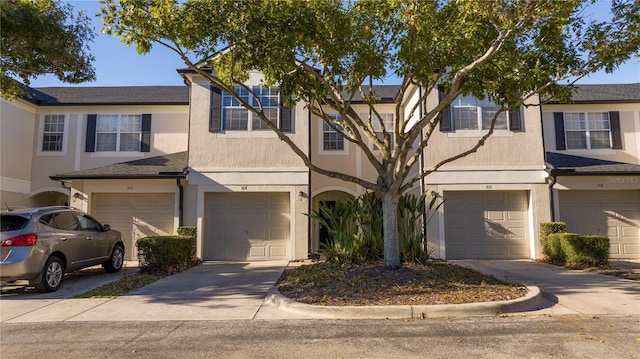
x=215 y=114
x=145 y=144
x=90 y=141
x=286 y=117
x=558 y=119
x=445 y=115
x=616 y=134
x=515 y=120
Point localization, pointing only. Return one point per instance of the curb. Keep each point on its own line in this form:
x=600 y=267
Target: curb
x=531 y=301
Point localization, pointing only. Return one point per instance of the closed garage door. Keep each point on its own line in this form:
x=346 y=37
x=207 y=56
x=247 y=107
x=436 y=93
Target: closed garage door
x=246 y=226
x=615 y=214
x=135 y=215
x=486 y=225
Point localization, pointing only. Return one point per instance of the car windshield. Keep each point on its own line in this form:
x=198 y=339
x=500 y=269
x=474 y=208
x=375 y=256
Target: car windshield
x=10 y=222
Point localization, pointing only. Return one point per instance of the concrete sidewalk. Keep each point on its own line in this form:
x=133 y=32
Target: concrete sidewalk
x=568 y=291
x=244 y=291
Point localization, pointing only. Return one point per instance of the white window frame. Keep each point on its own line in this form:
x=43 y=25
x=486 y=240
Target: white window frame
x=500 y=130
x=229 y=103
x=389 y=124
x=322 y=130
x=119 y=132
x=64 y=133
x=585 y=126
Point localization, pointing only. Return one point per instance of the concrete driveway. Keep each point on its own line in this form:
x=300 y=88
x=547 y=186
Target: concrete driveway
x=210 y=291
x=568 y=291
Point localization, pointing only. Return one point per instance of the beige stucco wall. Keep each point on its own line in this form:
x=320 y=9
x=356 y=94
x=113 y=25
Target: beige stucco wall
x=629 y=127
x=16 y=151
x=169 y=131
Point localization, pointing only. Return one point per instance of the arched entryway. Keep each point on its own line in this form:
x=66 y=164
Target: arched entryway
x=320 y=234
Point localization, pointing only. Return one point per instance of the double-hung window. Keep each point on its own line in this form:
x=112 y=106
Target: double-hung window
x=118 y=133
x=387 y=119
x=587 y=130
x=238 y=118
x=332 y=140
x=53 y=133
x=470 y=113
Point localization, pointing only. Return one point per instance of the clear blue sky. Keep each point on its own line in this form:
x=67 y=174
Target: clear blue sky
x=119 y=65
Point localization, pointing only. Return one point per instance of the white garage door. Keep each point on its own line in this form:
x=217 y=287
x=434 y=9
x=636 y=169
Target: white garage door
x=615 y=214
x=486 y=225
x=246 y=226
x=135 y=215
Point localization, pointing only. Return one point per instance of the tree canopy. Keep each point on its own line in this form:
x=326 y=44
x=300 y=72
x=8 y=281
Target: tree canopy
x=328 y=52
x=43 y=37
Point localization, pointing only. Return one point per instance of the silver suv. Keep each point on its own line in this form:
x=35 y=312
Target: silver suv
x=41 y=244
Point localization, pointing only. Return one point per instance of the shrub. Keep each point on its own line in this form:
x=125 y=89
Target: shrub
x=579 y=249
x=412 y=213
x=546 y=229
x=188 y=231
x=166 y=254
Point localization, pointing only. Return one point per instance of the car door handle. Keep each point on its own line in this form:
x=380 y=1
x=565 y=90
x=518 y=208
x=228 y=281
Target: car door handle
x=89 y=238
x=63 y=239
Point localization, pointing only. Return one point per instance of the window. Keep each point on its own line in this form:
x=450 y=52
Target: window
x=118 y=133
x=237 y=118
x=387 y=118
x=87 y=223
x=470 y=113
x=53 y=133
x=587 y=130
x=331 y=140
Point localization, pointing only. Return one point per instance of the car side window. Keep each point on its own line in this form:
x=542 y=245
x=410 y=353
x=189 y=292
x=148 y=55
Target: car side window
x=65 y=220
x=87 y=223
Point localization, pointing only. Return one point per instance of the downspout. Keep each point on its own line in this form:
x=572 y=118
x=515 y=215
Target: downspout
x=310 y=198
x=180 y=201
x=422 y=184
x=554 y=180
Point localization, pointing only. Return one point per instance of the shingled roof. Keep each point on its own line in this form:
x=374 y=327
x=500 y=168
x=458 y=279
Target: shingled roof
x=165 y=166
x=567 y=165
x=126 y=95
x=606 y=93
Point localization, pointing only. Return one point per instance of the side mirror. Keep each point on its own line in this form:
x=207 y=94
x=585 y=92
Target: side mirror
x=106 y=227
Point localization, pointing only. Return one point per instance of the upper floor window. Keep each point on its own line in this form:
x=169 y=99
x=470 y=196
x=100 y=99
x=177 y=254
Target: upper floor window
x=470 y=113
x=235 y=117
x=118 y=133
x=587 y=130
x=53 y=133
x=332 y=140
x=590 y=130
x=387 y=119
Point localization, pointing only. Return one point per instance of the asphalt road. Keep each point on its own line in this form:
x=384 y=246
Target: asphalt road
x=558 y=336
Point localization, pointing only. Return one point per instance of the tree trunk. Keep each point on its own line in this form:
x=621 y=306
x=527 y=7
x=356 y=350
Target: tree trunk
x=390 y=223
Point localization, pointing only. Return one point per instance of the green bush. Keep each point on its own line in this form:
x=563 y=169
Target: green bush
x=188 y=231
x=356 y=234
x=166 y=254
x=546 y=229
x=579 y=249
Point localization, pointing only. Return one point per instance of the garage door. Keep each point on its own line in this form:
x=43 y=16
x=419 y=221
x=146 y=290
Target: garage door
x=615 y=214
x=486 y=225
x=246 y=226
x=135 y=215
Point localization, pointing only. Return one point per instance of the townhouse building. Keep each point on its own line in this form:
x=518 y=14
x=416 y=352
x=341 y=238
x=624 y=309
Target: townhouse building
x=149 y=159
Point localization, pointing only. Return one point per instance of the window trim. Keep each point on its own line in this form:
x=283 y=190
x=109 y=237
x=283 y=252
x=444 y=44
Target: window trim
x=65 y=135
x=587 y=131
x=119 y=133
x=250 y=115
x=321 y=149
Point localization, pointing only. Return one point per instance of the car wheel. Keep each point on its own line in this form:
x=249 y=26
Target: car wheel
x=115 y=262
x=51 y=277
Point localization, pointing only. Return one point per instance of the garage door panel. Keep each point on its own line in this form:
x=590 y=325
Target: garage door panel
x=136 y=215
x=486 y=224
x=246 y=226
x=611 y=213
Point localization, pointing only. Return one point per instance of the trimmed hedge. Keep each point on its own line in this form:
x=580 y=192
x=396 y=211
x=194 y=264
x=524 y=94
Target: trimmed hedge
x=166 y=254
x=188 y=231
x=574 y=248
x=546 y=229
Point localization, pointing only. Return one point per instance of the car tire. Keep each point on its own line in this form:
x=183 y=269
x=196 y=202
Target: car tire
x=51 y=277
x=116 y=260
